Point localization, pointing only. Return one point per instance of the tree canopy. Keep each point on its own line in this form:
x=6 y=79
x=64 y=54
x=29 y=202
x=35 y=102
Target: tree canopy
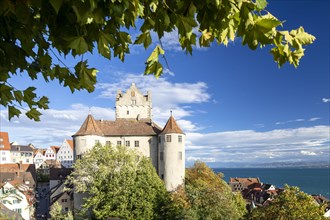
x=120 y=183
x=207 y=196
x=35 y=35
x=290 y=204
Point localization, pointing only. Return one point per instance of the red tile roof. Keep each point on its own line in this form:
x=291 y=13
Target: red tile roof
x=172 y=127
x=4 y=143
x=70 y=142
x=118 y=127
x=245 y=181
x=55 y=148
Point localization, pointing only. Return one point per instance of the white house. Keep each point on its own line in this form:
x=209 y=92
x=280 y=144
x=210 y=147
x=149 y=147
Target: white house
x=51 y=152
x=134 y=128
x=17 y=199
x=22 y=153
x=39 y=157
x=4 y=148
x=65 y=153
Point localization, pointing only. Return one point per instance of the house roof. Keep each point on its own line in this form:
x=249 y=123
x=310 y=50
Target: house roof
x=21 y=148
x=172 y=127
x=55 y=148
x=16 y=167
x=118 y=127
x=70 y=142
x=245 y=181
x=4 y=143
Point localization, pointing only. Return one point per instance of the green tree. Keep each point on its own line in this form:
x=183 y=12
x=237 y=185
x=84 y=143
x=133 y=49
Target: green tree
x=207 y=196
x=35 y=35
x=120 y=183
x=57 y=213
x=290 y=204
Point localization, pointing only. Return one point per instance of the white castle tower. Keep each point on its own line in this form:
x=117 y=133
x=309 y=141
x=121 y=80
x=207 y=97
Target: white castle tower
x=172 y=155
x=135 y=129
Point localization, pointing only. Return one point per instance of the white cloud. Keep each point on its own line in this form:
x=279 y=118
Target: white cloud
x=54 y=127
x=250 y=146
x=314 y=119
x=325 y=100
x=308 y=153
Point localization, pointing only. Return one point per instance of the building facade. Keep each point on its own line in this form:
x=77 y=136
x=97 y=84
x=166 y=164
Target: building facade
x=65 y=154
x=134 y=128
x=22 y=153
x=4 y=148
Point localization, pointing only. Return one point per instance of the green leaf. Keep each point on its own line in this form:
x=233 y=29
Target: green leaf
x=12 y=112
x=18 y=96
x=103 y=46
x=78 y=44
x=5 y=94
x=144 y=39
x=34 y=114
x=56 y=4
x=261 y=4
x=43 y=102
x=86 y=76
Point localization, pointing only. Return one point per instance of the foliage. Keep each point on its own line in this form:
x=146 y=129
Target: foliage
x=57 y=213
x=290 y=204
x=36 y=34
x=207 y=196
x=120 y=183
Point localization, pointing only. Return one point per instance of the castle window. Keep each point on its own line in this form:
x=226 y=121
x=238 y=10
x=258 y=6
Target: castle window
x=127 y=112
x=161 y=156
x=118 y=143
x=180 y=138
x=108 y=143
x=180 y=155
x=133 y=94
x=133 y=102
x=136 y=143
x=168 y=138
x=127 y=143
x=162 y=176
x=159 y=139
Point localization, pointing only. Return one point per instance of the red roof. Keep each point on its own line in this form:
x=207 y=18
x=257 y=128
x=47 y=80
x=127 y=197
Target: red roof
x=70 y=142
x=118 y=127
x=172 y=127
x=4 y=141
x=55 y=148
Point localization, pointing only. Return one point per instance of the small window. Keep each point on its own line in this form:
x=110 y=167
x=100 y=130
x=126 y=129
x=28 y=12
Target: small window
x=108 y=143
x=162 y=176
x=179 y=138
x=79 y=156
x=133 y=102
x=127 y=112
x=96 y=142
x=127 y=143
x=161 y=156
x=136 y=143
x=118 y=143
x=180 y=155
x=168 y=138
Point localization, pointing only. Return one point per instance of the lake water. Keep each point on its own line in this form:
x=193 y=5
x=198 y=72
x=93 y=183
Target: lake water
x=311 y=181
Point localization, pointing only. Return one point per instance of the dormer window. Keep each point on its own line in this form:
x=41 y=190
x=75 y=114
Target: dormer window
x=133 y=102
x=127 y=112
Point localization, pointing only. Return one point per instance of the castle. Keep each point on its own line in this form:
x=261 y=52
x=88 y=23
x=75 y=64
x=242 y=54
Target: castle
x=133 y=127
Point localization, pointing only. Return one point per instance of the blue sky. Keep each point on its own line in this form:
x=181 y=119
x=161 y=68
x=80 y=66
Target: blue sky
x=234 y=104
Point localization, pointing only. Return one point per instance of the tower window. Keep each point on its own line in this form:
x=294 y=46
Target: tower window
x=179 y=138
x=127 y=143
x=180 y=155
x=136 y=143
x=133 y=102
x=127 y=112
x=118 y=143
x=168 y=138
x=161 y=156
x=162 y=176
x=133 y=94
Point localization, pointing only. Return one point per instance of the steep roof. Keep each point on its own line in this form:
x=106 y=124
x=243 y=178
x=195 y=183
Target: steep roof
x=70 y=142
x=55 y=148
x=120 y=127
x=9 y=213
x=21 y=148
x=172 y=127
x=245 y=181
x=4 y=143
x=89 y=127
x=59 y=173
